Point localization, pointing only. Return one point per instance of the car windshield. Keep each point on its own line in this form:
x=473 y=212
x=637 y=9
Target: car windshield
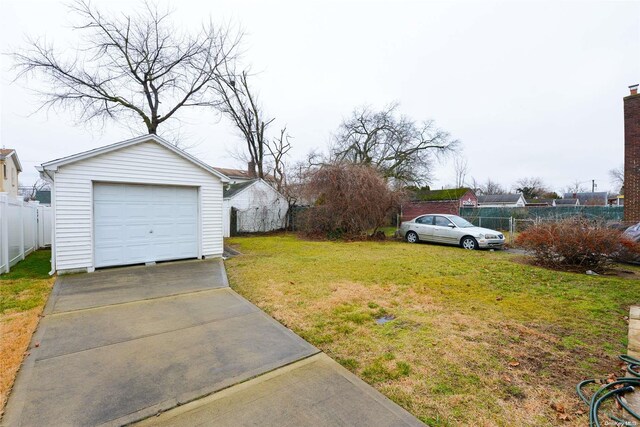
x=460 y=222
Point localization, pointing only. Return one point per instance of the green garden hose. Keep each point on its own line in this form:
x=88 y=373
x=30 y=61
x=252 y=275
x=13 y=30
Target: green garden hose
x=614 y=389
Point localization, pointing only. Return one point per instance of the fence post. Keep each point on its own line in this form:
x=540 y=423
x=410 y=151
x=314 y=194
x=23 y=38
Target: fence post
x=479 y=221
x=4 y=233
x=511 y=229
x=22 y=215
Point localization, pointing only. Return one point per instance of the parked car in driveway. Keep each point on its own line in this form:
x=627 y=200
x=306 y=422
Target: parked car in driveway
x=450 y=229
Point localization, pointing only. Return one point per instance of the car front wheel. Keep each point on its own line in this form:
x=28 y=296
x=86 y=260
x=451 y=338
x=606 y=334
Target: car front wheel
x=469 y=243
x=412 y=237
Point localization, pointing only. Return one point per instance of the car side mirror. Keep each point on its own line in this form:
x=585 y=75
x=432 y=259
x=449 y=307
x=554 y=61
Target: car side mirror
x=452 y=226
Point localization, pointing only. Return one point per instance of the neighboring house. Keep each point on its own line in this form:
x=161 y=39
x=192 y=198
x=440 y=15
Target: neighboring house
x=237 y=176
x=137 y=201
x=616 y=200
x=569 y=201
x=258 y=207
x=448 y=201
x=502 y=201
x=596 y=198
x=541 y=203
x=10 y=168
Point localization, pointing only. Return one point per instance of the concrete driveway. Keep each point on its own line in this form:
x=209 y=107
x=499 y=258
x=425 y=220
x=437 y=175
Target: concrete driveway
x=118 y=346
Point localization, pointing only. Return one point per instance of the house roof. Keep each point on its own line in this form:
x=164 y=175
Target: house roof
x=241 y=174
x=234 y=189
x=598 y=198
x=500 y=198
x=439 y=195
x=10 y=152
x=548 y=201
x=53 y=165
x=567 y=201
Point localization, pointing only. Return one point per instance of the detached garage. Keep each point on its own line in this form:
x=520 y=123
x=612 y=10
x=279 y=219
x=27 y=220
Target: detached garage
x=137 y=201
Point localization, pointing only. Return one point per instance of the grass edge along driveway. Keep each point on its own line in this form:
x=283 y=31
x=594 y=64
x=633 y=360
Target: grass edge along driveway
x=23 y=294
x=477 y=338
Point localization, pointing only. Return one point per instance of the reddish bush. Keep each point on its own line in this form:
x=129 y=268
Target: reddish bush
x=575 y=243
x=349 y=201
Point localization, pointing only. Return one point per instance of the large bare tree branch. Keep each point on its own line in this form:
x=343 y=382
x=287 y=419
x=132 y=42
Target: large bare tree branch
x=136 y=66
x=240 y=105
x=397 y=146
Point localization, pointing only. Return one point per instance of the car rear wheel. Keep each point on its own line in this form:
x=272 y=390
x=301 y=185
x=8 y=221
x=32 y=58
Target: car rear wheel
x=412 y=237
x=469 y=243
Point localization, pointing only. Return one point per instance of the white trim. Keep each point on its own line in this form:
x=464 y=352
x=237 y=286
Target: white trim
x=53 y=165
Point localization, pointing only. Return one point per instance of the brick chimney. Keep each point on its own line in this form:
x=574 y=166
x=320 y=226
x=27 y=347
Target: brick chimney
x=251 y=169
x=632 y=156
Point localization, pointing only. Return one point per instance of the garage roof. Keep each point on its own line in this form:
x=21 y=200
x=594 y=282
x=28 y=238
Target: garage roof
x=55 y=164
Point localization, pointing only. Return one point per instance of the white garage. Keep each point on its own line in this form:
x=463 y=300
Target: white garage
x=137 y=201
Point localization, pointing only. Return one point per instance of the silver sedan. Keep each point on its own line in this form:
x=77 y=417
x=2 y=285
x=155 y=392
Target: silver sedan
x=450 y=229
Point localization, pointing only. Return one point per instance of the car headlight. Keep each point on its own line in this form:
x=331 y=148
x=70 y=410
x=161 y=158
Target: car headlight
x=480 y=236
x=491 y=236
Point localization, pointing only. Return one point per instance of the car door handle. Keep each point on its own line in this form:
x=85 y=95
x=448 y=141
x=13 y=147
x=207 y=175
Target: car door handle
x=151 y=231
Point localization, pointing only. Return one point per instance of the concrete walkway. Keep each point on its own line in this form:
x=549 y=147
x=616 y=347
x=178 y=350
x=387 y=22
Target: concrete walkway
x=118 y=346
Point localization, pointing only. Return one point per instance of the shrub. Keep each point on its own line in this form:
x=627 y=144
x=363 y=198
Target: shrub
x=349 y=201
x=575 y=243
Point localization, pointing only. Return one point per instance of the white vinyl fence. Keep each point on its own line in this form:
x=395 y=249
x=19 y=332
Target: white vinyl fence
x=24 y=228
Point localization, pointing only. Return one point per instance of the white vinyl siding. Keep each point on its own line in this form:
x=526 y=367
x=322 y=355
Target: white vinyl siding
x=260 y=208
x=142 y=163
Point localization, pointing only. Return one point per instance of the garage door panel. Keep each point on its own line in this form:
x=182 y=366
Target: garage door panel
x=109 y=210
x=144 y=223
x=135 y=232
x=185 y=211
x=107 y=233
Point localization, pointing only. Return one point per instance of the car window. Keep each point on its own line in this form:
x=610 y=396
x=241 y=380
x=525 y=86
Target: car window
x=427 y=219
x=442 y=221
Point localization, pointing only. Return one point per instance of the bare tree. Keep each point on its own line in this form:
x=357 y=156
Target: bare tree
x=617 y=177
x=240 y=104
x=531 y=188
x=461 y=168
x=278 y=148
x=29 y=192
x=475 y=185
x=575 y=187
x=397 y=146
x=137 y=66
x=491 y=187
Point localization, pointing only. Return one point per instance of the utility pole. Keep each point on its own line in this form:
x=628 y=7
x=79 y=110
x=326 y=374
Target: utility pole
x=593 y=185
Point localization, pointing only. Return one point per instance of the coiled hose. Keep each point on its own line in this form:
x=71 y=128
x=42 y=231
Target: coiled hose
x=614 y=389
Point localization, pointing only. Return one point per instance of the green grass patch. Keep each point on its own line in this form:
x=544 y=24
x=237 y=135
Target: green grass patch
x=27 y=285
x=470 y=329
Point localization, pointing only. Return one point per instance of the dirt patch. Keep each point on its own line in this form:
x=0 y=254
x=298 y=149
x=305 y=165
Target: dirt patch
x=16 y=331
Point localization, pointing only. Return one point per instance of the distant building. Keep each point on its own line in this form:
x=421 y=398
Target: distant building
x=238 y=176
x=10 y=168
x=447 y=201
x=541 y=203
x=502 y=201
x=568 y=201
x=595 y=198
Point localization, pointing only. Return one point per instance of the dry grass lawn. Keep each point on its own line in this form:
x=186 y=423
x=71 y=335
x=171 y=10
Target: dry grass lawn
x=476 y=338
x=23 y=294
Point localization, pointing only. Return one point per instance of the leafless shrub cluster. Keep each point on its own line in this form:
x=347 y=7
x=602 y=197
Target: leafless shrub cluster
x=576 y=244
x=349 y=199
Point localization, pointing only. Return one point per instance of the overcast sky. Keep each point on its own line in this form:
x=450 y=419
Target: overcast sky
x=530 y=88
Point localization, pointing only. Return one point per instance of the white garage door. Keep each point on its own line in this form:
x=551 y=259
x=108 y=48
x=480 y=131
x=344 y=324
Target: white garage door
x=144 y=223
